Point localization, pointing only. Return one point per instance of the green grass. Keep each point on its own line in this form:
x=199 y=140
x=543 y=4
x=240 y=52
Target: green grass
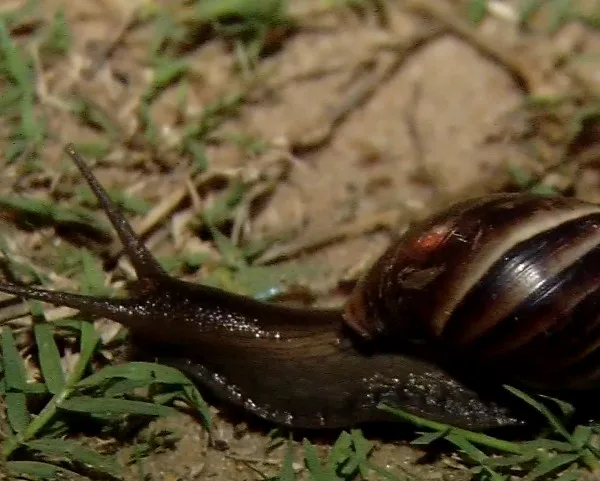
x=557 y=454
x=44 y=416
x=18 y=80
x=557 y=451
x=347 y=459
x=42 y=413
x=560 y=12
x=107 y=395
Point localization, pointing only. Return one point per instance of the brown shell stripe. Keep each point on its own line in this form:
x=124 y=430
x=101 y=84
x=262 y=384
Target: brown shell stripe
x=551 y=269
x=522 y=229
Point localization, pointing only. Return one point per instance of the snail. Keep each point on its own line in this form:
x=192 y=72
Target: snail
x=501 y=288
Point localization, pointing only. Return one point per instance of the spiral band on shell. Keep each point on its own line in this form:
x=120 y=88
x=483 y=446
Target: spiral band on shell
x=509 y=280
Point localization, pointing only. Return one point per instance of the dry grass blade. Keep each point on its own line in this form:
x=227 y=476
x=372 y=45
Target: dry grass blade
x=204 y=90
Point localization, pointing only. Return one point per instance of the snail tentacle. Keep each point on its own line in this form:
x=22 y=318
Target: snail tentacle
x=145 y=264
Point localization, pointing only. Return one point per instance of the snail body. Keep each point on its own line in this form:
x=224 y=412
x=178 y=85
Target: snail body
x=504 y=280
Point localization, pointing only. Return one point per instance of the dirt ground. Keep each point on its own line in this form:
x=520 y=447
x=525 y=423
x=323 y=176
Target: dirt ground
x=371 y=117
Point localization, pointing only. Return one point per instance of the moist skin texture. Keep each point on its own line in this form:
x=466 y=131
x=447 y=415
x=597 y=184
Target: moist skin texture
x=295 y=367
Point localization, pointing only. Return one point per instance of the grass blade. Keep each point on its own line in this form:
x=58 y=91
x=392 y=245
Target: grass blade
x=360 y=455
x=528 y=8
x=287 y=471
x=581 y=436
x=571 y=475
x=553 y=464
x=548 y=445
x=15 y=379
x=468 y=448
x=16 y=411
x=195 y=399
x=477 y=10
x=475 y=438
x=121 y=387
x=340 y=451
x=39 y=211
x=316 y=471
x=104 y=407
x=93 y=277
x=553 y=420
x=41 y=471
x=136 y=371
x=428 y=438
x=14 y=370
x=48 y=354
x=16 y=65
x=34 y=388
x=88 y=343
x=75 y=452
x=146 y=373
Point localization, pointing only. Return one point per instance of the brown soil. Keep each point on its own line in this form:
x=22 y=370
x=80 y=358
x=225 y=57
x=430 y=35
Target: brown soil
x=418 y=112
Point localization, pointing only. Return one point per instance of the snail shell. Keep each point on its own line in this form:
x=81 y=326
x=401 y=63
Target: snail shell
x=510 y=282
